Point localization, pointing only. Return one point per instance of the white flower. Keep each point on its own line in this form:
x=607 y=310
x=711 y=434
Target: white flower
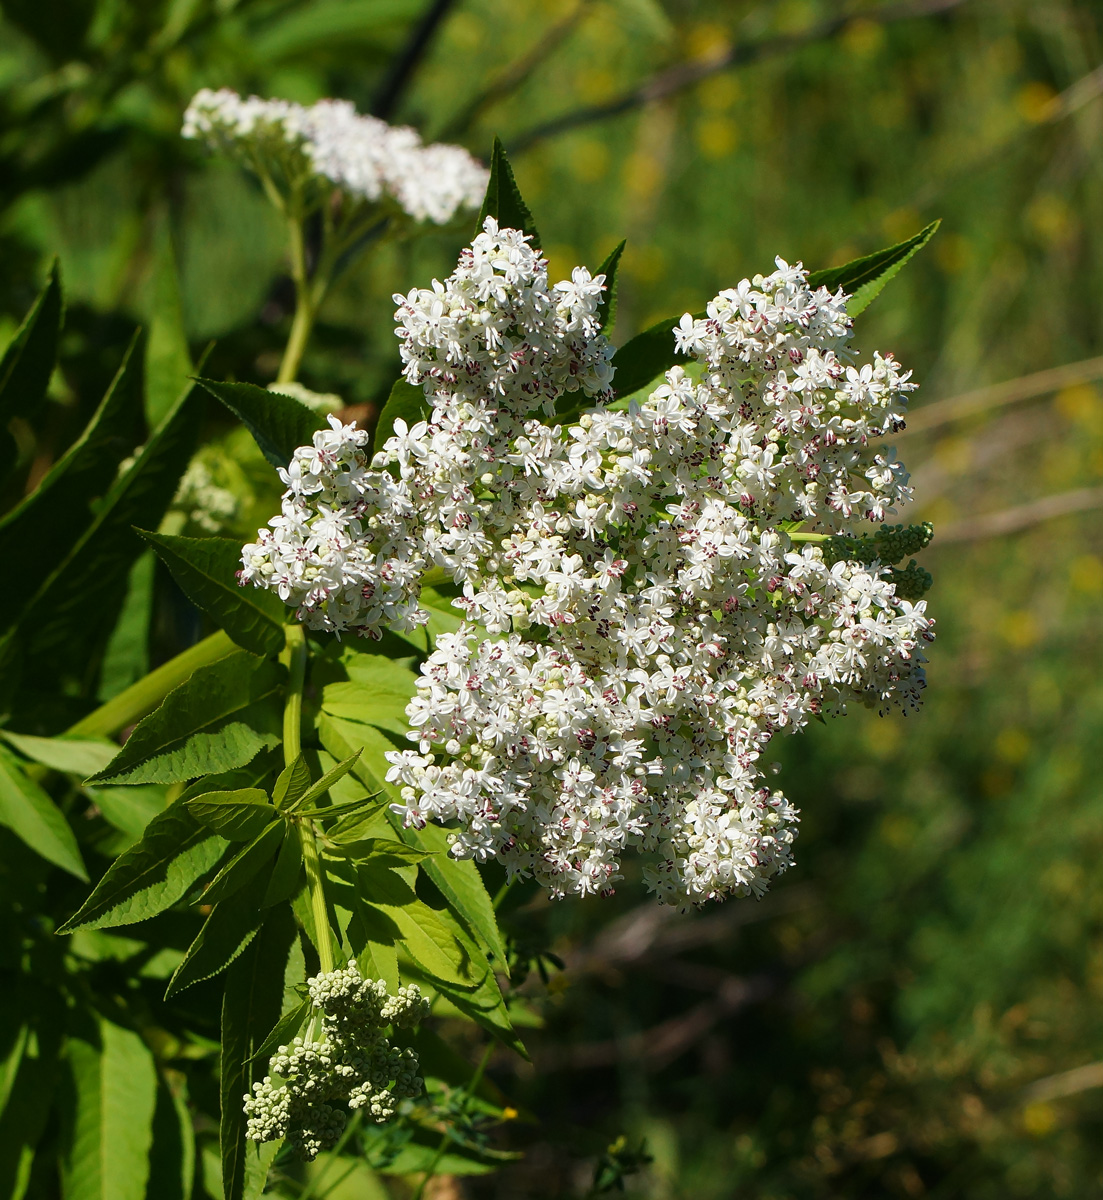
x=366 y=158
x=639 y=622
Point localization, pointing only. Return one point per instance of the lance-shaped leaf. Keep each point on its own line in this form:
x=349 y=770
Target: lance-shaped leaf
x=73 y=607
x=205 y=569
x=238 y=815
x=283 y=1031
x=607 y=308
x=240 y=869
x=31 y=355
x=175 y=852
x=63 y=502
x=503 y=200
x=126 y=655
x=646 y=356
x=172 y=1155
x=278 y=423
x=292 y=784
x=384 y=852
x=251 y=1002
x=458 y=881
x=230 y=927
x=283 y=883
x=214 y=721
x=406 y=402
x=168 y=363
x=106 y=1155
x=75 y=756
x=35 y=819
x=302 y=806
x=864 y=277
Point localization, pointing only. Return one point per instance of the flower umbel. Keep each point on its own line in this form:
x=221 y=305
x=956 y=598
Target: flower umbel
x=351 y=1065
x=641 y=613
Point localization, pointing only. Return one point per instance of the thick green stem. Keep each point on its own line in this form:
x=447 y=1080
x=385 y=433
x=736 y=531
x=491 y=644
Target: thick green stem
x=305 y=309
x=143 y=697
x=296 y=658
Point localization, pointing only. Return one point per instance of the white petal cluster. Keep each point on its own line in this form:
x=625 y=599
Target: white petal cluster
x=639 y=618
x=363 y=156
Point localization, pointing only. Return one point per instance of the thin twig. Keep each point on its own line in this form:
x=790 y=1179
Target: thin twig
x=1022 y=516
x=409 y=59
x=1065 y=1083
x=686 y=74
x=516 y=73
x=1011 y=391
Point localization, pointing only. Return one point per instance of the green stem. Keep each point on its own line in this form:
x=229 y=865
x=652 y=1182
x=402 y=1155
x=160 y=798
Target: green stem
x=305 y=309
x=143 y=697
x=797 y=536
x=296 y=655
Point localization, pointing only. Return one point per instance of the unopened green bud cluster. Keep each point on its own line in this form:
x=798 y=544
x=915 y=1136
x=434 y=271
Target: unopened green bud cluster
x=890 y=544
x=352 y=1065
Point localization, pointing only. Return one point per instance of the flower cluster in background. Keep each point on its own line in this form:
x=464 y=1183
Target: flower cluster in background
x=363 y=156
x=642 y=612
x=352 y=1063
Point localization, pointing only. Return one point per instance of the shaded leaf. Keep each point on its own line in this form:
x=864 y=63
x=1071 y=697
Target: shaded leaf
x=63 y=501
x=503 y=200
x=129 y=809
x=649 y=354
x=168 y=364
x=607 y=309
x=30 y=357
x=174 y=854
x=230 y=927
x=214 y=721
x=35 y=819
x=278 y=423
x=292 y=784
x=251 y=1002
x=126 y=656
x=115 y=1093
x=283 y=883
x=282 y=1032
x=864 y=277
x=205 y=569
x=240 y=869
x=239 y=815
x=385 y=850
x=406 y=402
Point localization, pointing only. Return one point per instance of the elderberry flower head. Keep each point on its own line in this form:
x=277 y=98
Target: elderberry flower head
x=642 y=612
x=352 y=1065
x=364 y=157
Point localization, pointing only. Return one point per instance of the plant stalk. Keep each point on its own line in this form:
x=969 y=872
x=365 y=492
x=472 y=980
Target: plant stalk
x=143 y=697
x=296 y=656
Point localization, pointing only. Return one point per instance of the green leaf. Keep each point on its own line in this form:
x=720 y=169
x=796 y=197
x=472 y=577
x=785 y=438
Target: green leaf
x=864 y=277
x=251 y=1003
x=330 y=24
x=174 y=854
x=75 y=756
x=503 y=199
x=64 y=501
x=317 y=790
x=240 y=869
x=230 y=927
x=126 y=655
x=29 y=1093
x=458 y=881
x=31 y=355
x=607 y=309
x=73 y=608
x=385 y=851
x=279 y=424
x=292 y=784
x=283 y=1031
x=406 y=402
x=115 y=1093
x=168 y=363
x=646 y=356
x=239 y=815
x=34 y=818
x=129 y=809
x=341 y=738
x=214 y=721
x=377 y=693
x=283 y=883
x=172 y=1156
x=205 y=569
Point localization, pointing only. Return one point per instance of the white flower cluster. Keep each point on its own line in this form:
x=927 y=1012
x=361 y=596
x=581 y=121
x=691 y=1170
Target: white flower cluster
x=352 y=1063
x=365 y=157
x=641 y=614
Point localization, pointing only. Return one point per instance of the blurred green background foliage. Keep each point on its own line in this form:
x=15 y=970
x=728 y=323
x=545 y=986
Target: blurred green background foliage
x=916 y=1008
